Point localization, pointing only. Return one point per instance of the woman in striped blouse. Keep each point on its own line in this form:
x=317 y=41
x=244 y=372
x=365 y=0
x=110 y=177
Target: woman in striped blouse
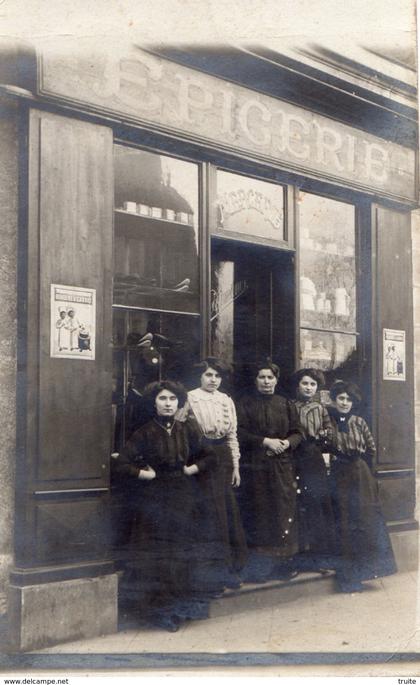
x=317 y=530
x=365 y=547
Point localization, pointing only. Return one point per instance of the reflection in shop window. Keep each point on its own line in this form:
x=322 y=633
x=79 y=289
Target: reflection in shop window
x=327 y=237
x=326 y=350
x=156 y=279
x=156 y=231
x=148 y=346
x=327 y=263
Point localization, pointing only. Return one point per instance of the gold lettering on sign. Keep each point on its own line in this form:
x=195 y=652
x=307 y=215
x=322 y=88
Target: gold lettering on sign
x=136 y=84
x=192 y=97
x=141 y=86
x=376 y=161
x=246 y=113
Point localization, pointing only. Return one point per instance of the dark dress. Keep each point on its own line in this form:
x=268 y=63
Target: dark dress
x=216 y=416
x=316 y=520
x=170 y=529
x=268 y=493
x=364 y=543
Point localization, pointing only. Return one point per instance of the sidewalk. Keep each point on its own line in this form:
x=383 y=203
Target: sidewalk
x=301 y=621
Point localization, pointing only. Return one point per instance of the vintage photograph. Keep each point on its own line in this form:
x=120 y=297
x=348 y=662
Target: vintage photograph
x=210 y=348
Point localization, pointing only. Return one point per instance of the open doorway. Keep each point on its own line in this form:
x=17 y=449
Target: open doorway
x=252 y=305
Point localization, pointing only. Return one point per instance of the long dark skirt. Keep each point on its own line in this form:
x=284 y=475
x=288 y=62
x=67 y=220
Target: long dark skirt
x=163 y=546
x=229 y=540
x=269 y=505
x=363 y=540
x=316 y=514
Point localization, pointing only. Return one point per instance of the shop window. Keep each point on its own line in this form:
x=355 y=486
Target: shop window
x=327 y=282
x=156 y=324
x=156 y=231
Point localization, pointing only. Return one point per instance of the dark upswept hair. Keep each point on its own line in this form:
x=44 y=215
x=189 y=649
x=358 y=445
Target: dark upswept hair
x=348 y=387
x=316 y=374
x=212 y=363
x=265 y=363
x=152 y=390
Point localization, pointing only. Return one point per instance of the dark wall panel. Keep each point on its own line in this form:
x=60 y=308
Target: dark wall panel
x=75 y=232
x=395 y=415
x=70 y=530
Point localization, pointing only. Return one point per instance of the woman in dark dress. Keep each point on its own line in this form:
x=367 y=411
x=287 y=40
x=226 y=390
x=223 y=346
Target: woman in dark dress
x=269 y=432
x=164 y=457
x=365 y=547
x=316 y=519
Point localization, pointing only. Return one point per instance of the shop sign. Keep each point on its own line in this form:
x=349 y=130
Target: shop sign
x=72 y=322
x=250 y=207
x=153 y=91
x=394 y=358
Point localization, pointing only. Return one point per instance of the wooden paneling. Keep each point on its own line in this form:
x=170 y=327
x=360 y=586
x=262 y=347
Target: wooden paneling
x=70 y=529
x=65 y=437
x=75 y=232
x=397 y=496
x=395 y=415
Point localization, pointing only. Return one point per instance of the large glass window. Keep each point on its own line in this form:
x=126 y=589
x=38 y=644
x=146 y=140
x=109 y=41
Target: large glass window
x=156 y=231
x=156 y=278
x=327 y=282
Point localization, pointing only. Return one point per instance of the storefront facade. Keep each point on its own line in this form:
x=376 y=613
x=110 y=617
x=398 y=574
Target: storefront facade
x=164 y=213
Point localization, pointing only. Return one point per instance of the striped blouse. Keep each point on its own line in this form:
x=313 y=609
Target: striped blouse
x=313 y=417
x=215 y=413
x=358 y=439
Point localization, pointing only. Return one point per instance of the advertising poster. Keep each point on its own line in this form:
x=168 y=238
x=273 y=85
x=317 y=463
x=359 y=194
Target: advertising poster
x=72 y=322
x=394 y=355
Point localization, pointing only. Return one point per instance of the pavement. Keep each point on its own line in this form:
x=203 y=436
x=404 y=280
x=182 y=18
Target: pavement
x=300 y=624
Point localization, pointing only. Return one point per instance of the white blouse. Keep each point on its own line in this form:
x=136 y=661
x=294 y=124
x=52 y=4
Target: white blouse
x=216 y=415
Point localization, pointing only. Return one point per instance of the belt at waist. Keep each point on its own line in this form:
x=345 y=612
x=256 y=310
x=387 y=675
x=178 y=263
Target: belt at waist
x=346 y=458
x=213 y=441
x=170 y=475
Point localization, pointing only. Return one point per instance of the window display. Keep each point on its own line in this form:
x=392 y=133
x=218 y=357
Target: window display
x=156 y=279
x=148 y=346
x=327 y=281
x=156 y=231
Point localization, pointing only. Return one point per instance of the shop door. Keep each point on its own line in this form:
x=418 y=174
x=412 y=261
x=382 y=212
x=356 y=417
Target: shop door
x=252 y=305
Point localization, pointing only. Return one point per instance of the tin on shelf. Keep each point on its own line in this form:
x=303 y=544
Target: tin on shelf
x=130 y=207
x=144 y=210
x=170 y=214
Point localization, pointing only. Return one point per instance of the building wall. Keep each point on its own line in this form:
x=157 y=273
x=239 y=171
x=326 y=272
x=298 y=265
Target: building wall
x=416 y=296
x=8 y=331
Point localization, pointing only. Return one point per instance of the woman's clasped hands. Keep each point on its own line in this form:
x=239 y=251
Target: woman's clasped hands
x=275 y=445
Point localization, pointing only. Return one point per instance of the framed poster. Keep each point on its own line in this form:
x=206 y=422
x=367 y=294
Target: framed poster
x=394 y=358
x=73 y=311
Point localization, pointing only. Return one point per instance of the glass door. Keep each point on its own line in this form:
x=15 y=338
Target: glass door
x=252 y=275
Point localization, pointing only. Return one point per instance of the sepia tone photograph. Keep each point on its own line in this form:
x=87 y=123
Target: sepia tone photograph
x=210 y=346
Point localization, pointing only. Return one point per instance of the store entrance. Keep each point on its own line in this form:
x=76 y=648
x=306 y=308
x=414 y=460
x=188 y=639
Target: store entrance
x=252 y=305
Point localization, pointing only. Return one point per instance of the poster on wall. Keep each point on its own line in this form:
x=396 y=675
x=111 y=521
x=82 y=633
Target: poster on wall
x=73 y=312
x=394 y=359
